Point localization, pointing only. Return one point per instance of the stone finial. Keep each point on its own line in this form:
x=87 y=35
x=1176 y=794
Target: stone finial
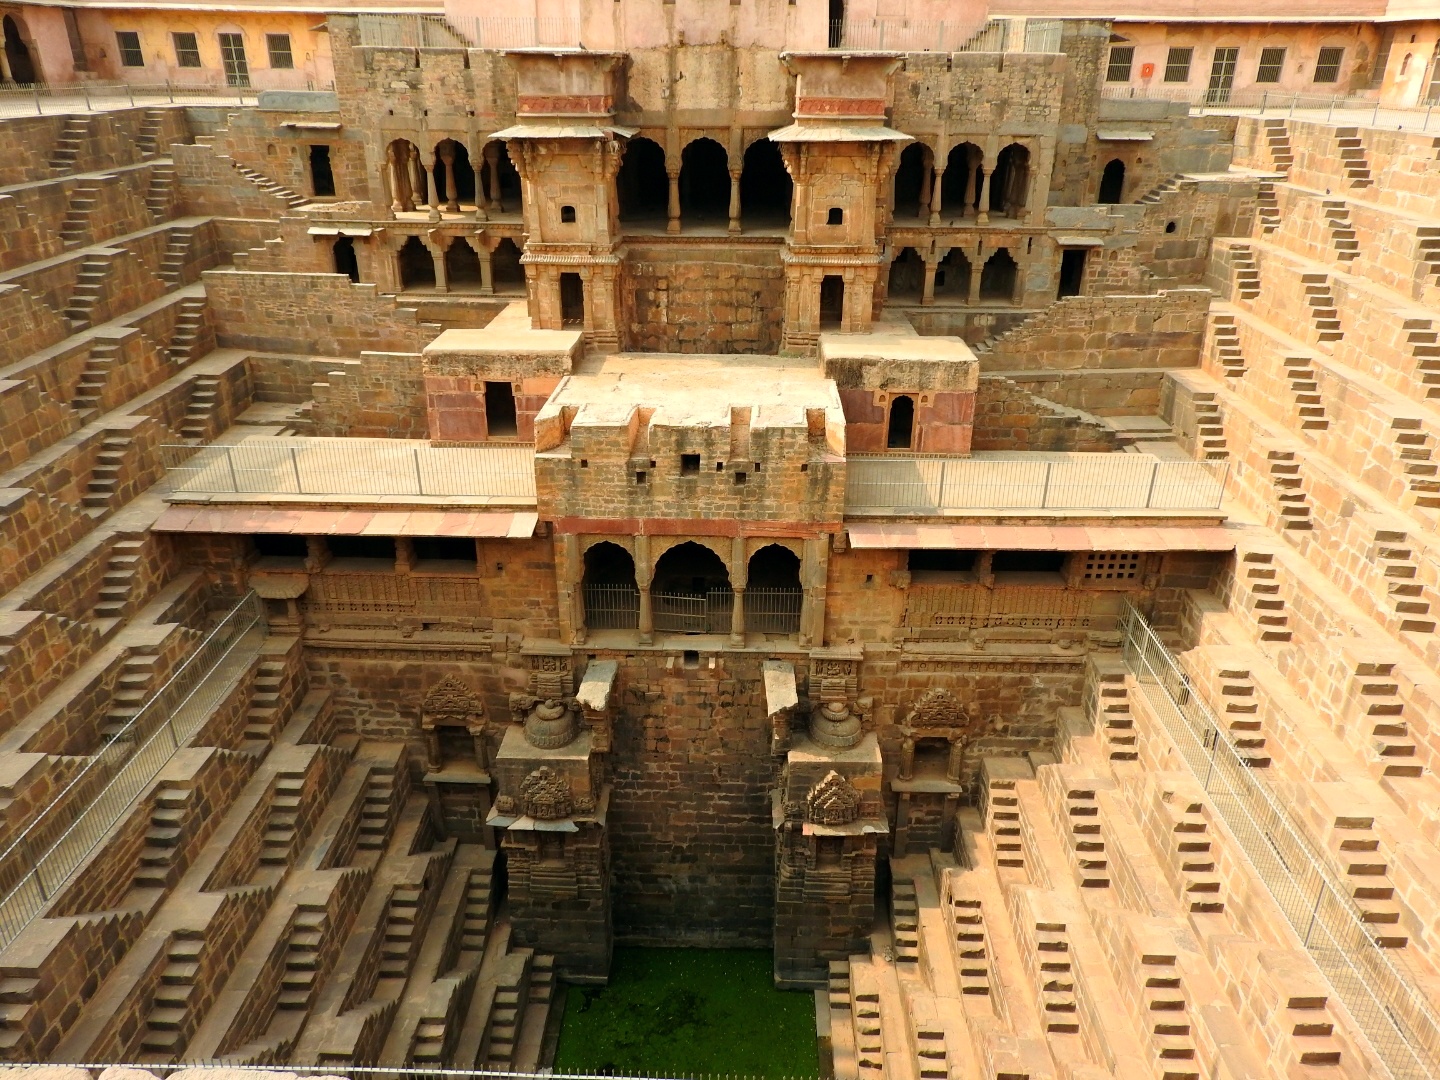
x=833 y=801
x=545 y=796
x=834 y=725
x=551 y=724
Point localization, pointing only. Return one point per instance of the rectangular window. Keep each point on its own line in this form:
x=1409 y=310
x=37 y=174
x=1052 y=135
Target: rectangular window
x=1327 y=65
x=129 y=42
x=1272 y=65
x=279 y=47
x=187 y=50
x=1177 y=63
x=232 y=56
x=1111 y=566
x=1122 y=58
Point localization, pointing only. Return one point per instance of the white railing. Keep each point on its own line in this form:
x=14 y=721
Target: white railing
x=468 y=31
x=911 y=485
x=38 y=862
x=362 y=467
x=958 y=36
x=37 y=99
x=1394 y=1015
x=1259 y=101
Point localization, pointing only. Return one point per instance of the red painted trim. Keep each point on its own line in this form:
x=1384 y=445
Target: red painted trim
x=566 y=104
x=839 y=106
x=692 y=527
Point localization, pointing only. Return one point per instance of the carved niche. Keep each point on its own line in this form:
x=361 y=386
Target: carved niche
x=832 y=801
x=545 y=795
x=939 y=713
x=451 y=704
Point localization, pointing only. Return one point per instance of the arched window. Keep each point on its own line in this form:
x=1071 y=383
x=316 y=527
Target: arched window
x=417 y=268
x=641 y=186
x=704 y=184
x=17 y=53
x=1011 y=182
x=952 y=276
x=910 y=180
x=900 y=431
x=462 y=264
x=959 y=188
x=997 y=279
x=506 y=270
x=832 y=302
x=690 y=592
x=765 y=187
x=907 y=276
x=452 y=161
x=343 y=251
x=403 y=175
x=772 y=593
x=612 y=602
x=1112 y=182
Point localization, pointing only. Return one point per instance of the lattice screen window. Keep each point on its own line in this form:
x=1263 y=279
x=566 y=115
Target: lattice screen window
x=1102 y=567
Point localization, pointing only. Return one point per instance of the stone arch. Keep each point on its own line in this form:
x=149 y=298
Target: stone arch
x=1010 y=184
x=999 y=277
x=462 y=263
x=452 y=163
x=507 y=272
x=19 y=60
x=960 y=185
x=704 y=183
x=900 y=423
x=612 y=598
x=952 y=275
x=642 y=187
x=912 y=187
x=417 y=265
x=501 y=180
x=907 y=275
x=343 y=252
x=766 y=190
x=681 y=561
x=773 y=566
x=404 y=181
x=1112 y=182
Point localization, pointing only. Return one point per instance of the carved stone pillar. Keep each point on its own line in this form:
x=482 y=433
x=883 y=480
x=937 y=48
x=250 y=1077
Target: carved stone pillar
x=642 y=582
x=417 y=178
x=813 y=568
x=404 y=554
x=969 y=208
x=571 y=596
x=672 y=208
x=442 y=280
x=982 y=216
x=739 y=578
x=447 y=159
x=976 y=270
x=734 y=226
x=487 y=270
x=399 y=180
x=927 y=296
x=492 y=170
x=935 y=197
x=927 y=169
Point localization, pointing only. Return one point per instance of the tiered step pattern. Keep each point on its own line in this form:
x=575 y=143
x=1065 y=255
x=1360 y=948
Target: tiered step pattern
x=99 y=495
x=1385 y=710
x=1263 y=596
x=157 y=857
x=1247 y=274
x=1323 y=312
x=1352 y=156
x=170 y=1008
x=1227 y=345
x=188 y=335
x=1242 y=715
x=1356 y=848
x=1403 y=590
x=904 y=921
x=67 y=147
x=89 y=287
x=270 y=187
x=90 y=390
x=283 y=819
x=199 y=420
x=1305 y=389
x=1342 y=232
x=1277 y=137
x=1057 y=979
x=302 y=958
x=1289 y=489
x=75 y=229
x=118 y=579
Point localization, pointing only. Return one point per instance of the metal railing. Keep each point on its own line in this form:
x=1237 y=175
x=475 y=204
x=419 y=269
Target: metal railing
x=894 y=484
x=38 y=863
x=365 y=467
x=402 y=1072
x=37 y=99
x=468 y=31
x=612 y=607
x=773 y=611
x=1257 y=101
x=957 y=36
x=1393 y=1014
x=767 y=610
x=692 y=613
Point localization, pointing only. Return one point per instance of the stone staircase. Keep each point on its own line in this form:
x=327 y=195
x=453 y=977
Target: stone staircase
x=1242 y=715
x=1352 y=156
x=1087 y=841
x=1227 y=345
x=375 y=816
x=263 y=714
x=302 y=958
x=1277 y=138
x=160 y=195
x=1415 y=450
x=1355 y=847
x=1428 y=249
x=479 y=907
x=1192 y=858
x=283 y=819
x=99 y=495
x=147 y=139
x=1210 y=428
x=1059 y=1007
x=401 y=919
x=67 y=146
x=90 y=389
x=1267 y=207
x=1163 y=1000
x=1424 y=342
x=1323 y=310
x=1342 y=232
x=118 y=580
x=132 y=690
x=1247 y=274
x=904 y=921
x=162 y=839
x=971 y=953
x=1404 y=593
x=1168 y=186
x=188 y=338
x=199 y=421
x=1263 y=596
x=1305 y=389
x=1293 y=503
x=270 y=187
x=75 y=228
x=1384 y=710
x=164 y=1032
x=172 y=263
x=89 y=287
x=1002 y=821
x=1112 y=706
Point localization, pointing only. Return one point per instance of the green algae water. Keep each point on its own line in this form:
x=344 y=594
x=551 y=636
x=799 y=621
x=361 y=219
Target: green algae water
x=685 y=1012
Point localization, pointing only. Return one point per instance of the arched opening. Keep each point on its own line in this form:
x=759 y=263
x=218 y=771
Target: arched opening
x=417 y=267
x=910 y=180
x=832 y=302
x=952 y=276
x=1112 y=182
x=766 y=189
x=1072 y=272
x=900 y=430
x=343 y=251
x=772 y=594
x=997 y=279
x=453 y=160
x=907 y=276
x=502 y=181
x=690 y=592
x=322 y=176
x=641 y=186
x=403 y=175
x=960 y=186
x=704 y=184
x=1011 y=181
x=462 y=264
x=17 y=53
x=506 y=271
x=612 y=602
x=572 y=300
